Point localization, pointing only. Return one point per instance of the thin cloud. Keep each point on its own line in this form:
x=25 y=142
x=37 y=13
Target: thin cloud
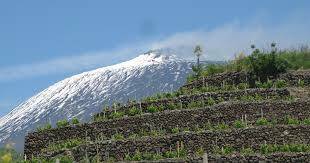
x=224 y=42
x=220 y=43
x=66 y=64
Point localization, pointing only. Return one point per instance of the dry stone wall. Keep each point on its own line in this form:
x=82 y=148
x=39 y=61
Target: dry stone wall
x=292 y=77
x=276 y=157
x=186 y=99
x=227 y=112
x=219 y=79
x=237 y=139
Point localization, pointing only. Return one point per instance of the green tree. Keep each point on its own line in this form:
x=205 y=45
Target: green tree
x=263 y=65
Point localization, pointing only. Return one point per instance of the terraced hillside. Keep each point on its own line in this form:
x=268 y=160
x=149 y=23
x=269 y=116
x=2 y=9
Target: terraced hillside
x=225 y=121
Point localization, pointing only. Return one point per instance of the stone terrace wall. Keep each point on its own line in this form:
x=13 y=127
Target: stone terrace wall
x=186 y=99
x=218 y=80
x=228 y=113
x=291 y=77
x=276 y=157
x=250 y=137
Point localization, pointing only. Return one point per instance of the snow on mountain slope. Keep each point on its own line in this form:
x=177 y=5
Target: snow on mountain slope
x=84 y=94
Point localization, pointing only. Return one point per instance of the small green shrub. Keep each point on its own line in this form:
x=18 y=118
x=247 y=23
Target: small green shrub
x=207 y=89
x=137 y=156
x=182 y=153
x=44 y=127
x=290 y=98
x=267 y=84
x=265 y=149
x=186 y=129
x=75 y=121
x=116 y=114
x=192 y=104
x=208 y=126
x=133 y=136
x=127 y=157
x=247 y=98
x=118 y=136
x=274 y=122
x=171 y=154
x=198 y=129
x=213 y=69
x=221 y=126
x=228 y=87
x=246 y=151
x=225 y=150
x=175 y=130
x=306 y=121
x=62 y=123
x=157 y=156
x=211 y=101
x=171 y=106
x=262 y=122
x=67 y=144
x=239 y=124
x=152 y=109
x=200 y=152
x=155 y=133
x=280 y=84
x=195 y=104
x=143 y=133
x=99 y=118
x=134 y=111
x=190 y=78
x=258 y=97
x=292 y=121
x=161 y=108
x=243 y=86
x=65 y=159
x=301 y=83
x=111 y=159
x=217 y=150
x=159 y=96
x=177 y=93
x=168 y=95
x=147 y=99
x=148 y=156
x=220 y=99
x=143 y=156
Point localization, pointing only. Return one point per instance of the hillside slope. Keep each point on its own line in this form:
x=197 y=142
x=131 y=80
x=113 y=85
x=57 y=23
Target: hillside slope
x=84 y=94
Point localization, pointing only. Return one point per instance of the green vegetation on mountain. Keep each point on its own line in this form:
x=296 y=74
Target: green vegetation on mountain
x=261 y=64
x=263 y=67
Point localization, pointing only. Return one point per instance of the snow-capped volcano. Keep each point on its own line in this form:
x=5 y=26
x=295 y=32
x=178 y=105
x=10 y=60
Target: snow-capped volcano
x=85 y=94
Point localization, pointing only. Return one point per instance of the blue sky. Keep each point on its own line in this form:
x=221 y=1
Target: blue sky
x=42 y=42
